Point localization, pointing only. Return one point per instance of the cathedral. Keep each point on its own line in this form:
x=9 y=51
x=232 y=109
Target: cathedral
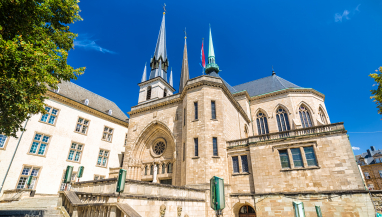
x=270 y=140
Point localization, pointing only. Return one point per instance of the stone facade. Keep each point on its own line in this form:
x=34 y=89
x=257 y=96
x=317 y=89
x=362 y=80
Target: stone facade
x=373 y=176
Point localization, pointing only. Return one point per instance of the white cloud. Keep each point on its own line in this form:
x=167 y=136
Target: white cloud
x=91 y=44
x=339 y=17
x=355 y=148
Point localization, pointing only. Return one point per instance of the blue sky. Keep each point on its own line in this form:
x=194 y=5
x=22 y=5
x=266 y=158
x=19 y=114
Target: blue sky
x=331 y=46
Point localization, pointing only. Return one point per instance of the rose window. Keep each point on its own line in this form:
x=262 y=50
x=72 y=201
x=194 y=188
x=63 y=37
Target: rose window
x=159 y=148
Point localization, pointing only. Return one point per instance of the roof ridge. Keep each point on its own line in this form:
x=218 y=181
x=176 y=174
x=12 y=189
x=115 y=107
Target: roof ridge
x=253 y=80
x=287 y=81
x=277 y=77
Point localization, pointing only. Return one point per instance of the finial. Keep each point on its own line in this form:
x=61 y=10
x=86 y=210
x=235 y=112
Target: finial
x=164 y=8
x=273 y=71
x=185 y=33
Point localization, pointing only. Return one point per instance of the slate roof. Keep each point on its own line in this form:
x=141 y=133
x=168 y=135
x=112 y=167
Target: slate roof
x=230 y=88
x=265 y=85
x=368 y=155
x=79 y=94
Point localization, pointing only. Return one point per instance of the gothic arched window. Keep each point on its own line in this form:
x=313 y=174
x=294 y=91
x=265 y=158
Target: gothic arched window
x=282 y=119
x=262 y=124
x=148 y=96
x=306 y=121
x=322 y=116
x=165 y=92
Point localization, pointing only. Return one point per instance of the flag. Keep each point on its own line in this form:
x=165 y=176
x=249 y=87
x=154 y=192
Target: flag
x=202 y=58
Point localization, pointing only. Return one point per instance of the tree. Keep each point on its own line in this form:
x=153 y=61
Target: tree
x=34 y=45
x=377 y=94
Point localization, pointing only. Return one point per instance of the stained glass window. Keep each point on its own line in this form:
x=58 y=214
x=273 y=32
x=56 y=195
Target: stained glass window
x=262 y=124
x=235 y=164
x=215 y=146
x=284 y=158
x=297 y=159
x=310 y=157
x=282 y=120
x=306 y=121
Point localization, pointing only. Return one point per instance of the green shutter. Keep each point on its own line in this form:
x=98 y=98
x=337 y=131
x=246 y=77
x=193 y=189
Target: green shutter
x=29 y=180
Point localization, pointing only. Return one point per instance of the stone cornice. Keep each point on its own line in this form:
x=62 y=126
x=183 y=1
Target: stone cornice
x=72 y=103
x=156 y=79
x=287 y=90
x=353 y=191
x=203 y=80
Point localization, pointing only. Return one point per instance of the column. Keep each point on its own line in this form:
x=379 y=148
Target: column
x=155 y=173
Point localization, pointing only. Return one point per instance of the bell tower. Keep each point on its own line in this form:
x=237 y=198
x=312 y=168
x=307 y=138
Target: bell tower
x=157 y=86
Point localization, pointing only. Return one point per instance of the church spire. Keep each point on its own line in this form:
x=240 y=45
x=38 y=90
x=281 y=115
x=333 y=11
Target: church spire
x=171 y=82
x=159 y=62
x=185 y=72
x=144 y=76
x=211 y=66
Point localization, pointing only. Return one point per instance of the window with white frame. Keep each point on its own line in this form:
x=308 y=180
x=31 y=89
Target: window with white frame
x=107 y=134
x=25 y=173
x=103 y=157
x=98 y=177
x=51 y=115
x=305 y=117
x=82 y=125
x=282 y=120
x=367 y=175
x=262 y=123
x=72 y=179
x=75 y=152
x=3 y=140
x=40 y=144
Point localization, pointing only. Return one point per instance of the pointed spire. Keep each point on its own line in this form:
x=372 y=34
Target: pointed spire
x=211 y=66
x=211 y=51
x=159 y=60
x=273 y=71
x=171 y=82
x=144 y=76
x=160 y=49
x=184 y=76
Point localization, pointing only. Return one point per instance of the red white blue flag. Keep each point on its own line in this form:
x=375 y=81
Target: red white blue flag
x=202 y=57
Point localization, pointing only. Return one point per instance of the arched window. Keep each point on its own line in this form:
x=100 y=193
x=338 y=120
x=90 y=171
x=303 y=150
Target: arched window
x=282 y=119
x=165 y=92
x=322 y=116
x=148 y=96
x=262 y=124
x=247 y=211
x=306 y=121
x=169 y=168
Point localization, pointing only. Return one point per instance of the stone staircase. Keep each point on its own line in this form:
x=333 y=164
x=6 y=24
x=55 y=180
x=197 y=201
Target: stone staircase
x=32 y=207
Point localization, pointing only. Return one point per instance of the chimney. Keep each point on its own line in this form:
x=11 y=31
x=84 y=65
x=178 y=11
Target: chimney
x=86 y=102
x=372 y=148
x=369 y=152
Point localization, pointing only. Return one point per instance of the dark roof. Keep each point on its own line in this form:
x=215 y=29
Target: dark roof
x=230 y=88
x=79 y=94
x=265 y=85
x=368 y=155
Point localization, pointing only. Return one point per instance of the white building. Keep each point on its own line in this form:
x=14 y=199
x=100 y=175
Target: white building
x=80 y=129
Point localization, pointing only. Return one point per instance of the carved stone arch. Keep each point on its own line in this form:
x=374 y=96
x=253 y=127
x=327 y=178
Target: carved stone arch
x=325 y=112
x=282 y=106
x=156 y=129
x=307 y=105
x=261 y=110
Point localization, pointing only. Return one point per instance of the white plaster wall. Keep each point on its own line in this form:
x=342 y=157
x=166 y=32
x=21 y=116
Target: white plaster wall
x=62 y=135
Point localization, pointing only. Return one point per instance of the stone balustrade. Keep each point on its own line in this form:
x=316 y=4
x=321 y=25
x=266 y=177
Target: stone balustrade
x=287 y=134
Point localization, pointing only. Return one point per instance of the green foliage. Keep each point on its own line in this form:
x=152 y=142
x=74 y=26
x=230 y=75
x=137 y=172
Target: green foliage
x=377 y=94
x=34 y=45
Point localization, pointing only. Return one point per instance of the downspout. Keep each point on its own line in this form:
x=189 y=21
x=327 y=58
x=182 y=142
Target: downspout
x=14 y=153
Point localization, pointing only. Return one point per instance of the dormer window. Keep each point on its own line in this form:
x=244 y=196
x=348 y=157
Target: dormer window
x=109 y=112
x=86 y=102
x=148 y=96
x=57 y=90
x=165 y=92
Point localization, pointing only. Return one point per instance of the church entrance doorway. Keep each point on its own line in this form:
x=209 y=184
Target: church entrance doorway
x=247 y=211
